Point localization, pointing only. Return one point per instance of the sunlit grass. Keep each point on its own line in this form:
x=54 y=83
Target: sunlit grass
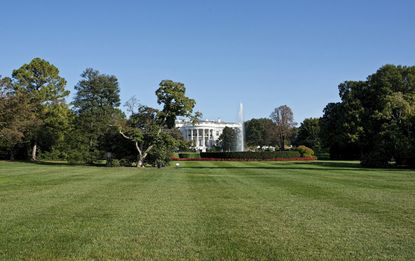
x=207 y=210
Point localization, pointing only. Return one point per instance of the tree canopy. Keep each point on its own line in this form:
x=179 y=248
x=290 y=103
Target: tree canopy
x=172 y=95
x=227 y=139
x=151 y=130
x=375 y=119
x=43 y=90
x=260 y=132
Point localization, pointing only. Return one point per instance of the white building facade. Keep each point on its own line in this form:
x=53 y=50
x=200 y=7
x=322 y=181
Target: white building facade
x=204 y=134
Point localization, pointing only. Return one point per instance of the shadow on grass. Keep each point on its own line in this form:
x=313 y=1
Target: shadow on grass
x=315 y=165
x=58 y=163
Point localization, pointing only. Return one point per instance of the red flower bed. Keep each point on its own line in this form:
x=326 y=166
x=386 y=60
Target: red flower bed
x=219 y=159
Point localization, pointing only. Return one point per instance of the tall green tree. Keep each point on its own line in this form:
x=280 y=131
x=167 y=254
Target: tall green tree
x=96 y=104
x=283 y=119
x=383 y=89
x=152 y=130
x=41 y=81
x=143 y=128
x=227 y=139
x=17 y=117
x=260 y=132
x=172 y=95
x=309 y=134
x=374 y=118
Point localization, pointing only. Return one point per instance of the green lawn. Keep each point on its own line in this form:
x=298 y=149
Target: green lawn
x=207 y=210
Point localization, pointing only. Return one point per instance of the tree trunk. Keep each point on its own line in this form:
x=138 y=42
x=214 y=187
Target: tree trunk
x=141 y=154
x=34 y=149
x=11 y=155
x=140 y=162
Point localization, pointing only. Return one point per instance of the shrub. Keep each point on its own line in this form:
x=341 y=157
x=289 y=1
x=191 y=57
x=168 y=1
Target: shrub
x=126 y=162
x=305 y=151
x=76 y=157
x=405 y=161
x=53 y=154
x=187 y=155
x=251 y=155
x=375 y=159
x=115 y=163
x=323 y=156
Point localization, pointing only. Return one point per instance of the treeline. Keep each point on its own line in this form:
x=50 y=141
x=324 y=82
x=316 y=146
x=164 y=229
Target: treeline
x=374 y=122
x=36 y=121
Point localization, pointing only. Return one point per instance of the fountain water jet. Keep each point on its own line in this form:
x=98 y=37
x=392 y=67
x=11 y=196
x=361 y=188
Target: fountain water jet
x=240 y=139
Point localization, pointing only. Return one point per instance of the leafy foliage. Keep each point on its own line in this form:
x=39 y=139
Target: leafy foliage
x=40 y=93
x=305 y=151
x=172 y=95
x=374 y=120
x=227 y=139
x=309 y=134
x=96 y=107
x=260 y=132
x=251 y=155
x=17 y=117
x=151 y=130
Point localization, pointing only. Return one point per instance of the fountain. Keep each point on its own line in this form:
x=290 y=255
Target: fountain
x=240 y=139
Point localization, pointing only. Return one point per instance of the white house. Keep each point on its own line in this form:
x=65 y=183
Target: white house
x=205 y=134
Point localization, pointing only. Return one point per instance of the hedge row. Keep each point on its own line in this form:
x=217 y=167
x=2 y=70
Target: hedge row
x=251 y=155
x=189 y=155
x=230 y=159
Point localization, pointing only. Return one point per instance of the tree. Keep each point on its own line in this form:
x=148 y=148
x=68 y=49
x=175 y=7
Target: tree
x=143 y=129
x=227 y=139
x=17 y=116
x=309 y=134
x=152 y=130
x=95 y=105
x=333 y=135
x=374 y=119
x=172 y=95
x=384 y=89
x=399 y=131
x=283 y=119
x=41 y=81
x=260 y=132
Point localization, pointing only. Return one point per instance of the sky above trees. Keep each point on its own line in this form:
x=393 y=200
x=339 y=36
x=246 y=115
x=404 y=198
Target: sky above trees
x=261 y=53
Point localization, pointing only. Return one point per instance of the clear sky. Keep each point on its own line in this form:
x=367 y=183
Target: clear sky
x=262 y=53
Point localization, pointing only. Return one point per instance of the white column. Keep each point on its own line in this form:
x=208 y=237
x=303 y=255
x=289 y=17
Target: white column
x=197 y=137
x=193 y=138
x=203 y=137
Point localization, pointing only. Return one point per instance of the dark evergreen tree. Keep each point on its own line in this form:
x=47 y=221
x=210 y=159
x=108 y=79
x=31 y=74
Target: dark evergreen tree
x=96 y=105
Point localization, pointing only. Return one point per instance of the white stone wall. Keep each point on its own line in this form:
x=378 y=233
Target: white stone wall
x=205 y=134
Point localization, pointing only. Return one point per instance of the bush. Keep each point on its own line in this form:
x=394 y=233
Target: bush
x=305 y=151
x=187 y=155
x=76 y=157
x=53 y=154
x=251 y=155
x=405 y=161
x=323 y=156
x=115 y=163
x=126 y=162
x=375 y=159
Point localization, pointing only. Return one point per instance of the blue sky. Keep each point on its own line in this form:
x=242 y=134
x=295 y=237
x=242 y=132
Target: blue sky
x=262 y=53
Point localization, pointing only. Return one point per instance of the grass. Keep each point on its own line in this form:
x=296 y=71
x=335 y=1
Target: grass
x=207 y=210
